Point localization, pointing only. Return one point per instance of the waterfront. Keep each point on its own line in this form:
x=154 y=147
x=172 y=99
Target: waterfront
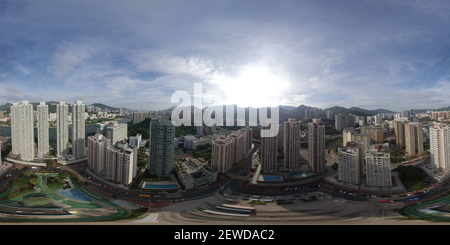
x=89 y=129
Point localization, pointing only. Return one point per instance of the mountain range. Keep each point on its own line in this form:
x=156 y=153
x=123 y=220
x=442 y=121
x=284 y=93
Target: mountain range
x=289 y=111
x=52 y=106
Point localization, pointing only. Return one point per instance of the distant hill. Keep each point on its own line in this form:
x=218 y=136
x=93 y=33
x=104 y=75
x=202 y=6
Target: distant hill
x=104 y=106
x=357 y=111
x=52 y=106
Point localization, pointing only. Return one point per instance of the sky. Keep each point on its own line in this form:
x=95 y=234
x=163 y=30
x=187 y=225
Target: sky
x=139 y=54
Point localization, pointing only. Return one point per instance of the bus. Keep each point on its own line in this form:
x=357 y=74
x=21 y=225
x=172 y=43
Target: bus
x=144 y=195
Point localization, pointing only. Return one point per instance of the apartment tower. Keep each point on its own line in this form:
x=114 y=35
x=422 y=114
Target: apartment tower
x=22 y=130
x=97 y=146
x=378 y=166
x=42 y=125
x=162 y=134
x=440 y=146
x=223 y=154
x=62 y=129
x=351 y=163
x=291 y=145
x=269 y=147
x=316 y=145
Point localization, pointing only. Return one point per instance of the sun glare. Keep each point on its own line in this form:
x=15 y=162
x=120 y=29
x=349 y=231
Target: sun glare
x=254 y=87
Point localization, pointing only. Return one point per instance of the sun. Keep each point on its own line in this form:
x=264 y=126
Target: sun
x=254 y=87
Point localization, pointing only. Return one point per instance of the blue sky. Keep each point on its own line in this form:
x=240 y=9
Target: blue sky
x=136 y=54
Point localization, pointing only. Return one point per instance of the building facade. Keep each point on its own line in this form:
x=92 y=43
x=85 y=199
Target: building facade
x=413 y=138
x=269 y=150
x=62 y=129
x=97 y=146
x=440 y=146
x=222 y=155
x=316 y=145
x=351 y=163
x=162 y=134
x=120 y=163
x=78 y=130
x=43 y=133
x=114 y=130
x=378 y=166
x=291 y=145
x=22 y=130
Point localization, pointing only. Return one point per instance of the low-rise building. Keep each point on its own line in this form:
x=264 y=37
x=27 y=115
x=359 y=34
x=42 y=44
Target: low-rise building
x=194 y=174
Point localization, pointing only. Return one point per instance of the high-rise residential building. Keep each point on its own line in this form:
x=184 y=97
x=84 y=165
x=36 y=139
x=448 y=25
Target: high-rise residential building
x=343 y=121
x=399 y=131
x=223 y=154
x=240 y=145
x=378 y=166
x=351 y=163
x=291 y=145
x=120 y=163
x=114 y=130
x=407 y=113
x=43 y=134
x=376 y=133
x=140 y=116
x=280 y=136
x=413 y=138
x=62 y=129
x=350 y=134
x=162 y=133
x=316 y=145
x=97 y=146
x=228 y=149
x=269 y=148
x=78 y=130
x=22 y=130
x=440 y=146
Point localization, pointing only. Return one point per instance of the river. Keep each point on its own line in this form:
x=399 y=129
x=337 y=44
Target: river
x=6 y=131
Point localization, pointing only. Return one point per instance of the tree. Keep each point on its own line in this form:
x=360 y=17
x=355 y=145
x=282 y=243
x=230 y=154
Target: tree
x=48 y=163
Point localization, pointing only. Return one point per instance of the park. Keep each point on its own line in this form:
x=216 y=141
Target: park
x=54 y=196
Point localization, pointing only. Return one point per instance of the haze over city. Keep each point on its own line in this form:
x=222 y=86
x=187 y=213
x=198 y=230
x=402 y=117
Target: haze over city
x=369 y=54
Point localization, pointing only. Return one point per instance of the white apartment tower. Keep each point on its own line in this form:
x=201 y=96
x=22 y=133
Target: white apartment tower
x=223 y=154
x=22 y=130
x=120 y=163
x=97 y=146
x=291 y=145
x=43 y=135
x=351 y=163
x=316 y=145
x=378 y=166
x=62 y=129
x=440 y=146
x=78 y=130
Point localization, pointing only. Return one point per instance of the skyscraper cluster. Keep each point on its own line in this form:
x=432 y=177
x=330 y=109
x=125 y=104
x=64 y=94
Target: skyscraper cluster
x=229 y=149
x=408 y=136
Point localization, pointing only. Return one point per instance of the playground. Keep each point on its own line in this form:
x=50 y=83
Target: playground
x=66 y=203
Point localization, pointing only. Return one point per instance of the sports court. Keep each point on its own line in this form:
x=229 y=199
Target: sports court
x=76 y=195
